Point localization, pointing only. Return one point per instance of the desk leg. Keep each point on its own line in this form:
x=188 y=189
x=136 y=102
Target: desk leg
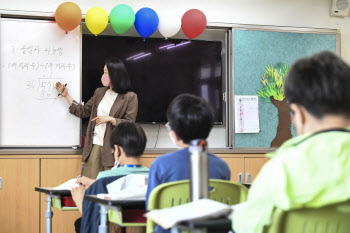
x=48 y=214
x=103 y=220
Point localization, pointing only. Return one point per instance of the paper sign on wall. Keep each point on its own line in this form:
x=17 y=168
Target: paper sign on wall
x=247 y=114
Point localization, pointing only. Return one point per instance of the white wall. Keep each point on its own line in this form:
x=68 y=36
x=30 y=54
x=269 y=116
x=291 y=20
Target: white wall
x=296 y=13
x=158 y=137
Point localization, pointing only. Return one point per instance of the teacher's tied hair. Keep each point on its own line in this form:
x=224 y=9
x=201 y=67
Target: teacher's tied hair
x=190 y=117
x=119 y=75
x=321 y=84
x=129 y=136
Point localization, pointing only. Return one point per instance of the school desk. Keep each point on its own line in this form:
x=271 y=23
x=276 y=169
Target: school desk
x=117 y=210
x=53 y=198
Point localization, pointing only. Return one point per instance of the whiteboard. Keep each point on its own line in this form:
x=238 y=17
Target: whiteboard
x=35 y=55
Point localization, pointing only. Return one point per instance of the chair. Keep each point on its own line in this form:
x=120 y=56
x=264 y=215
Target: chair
x=332 y=218
x=177 y=193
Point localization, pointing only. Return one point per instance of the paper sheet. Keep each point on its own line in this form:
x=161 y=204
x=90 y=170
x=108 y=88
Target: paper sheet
x=201 y=209
x=247 y=114
x=67 y=185
x=128 y=182
x=130 y=187
x=135 y=193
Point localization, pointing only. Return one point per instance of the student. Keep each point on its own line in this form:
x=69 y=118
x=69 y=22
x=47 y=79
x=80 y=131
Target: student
x=313 y=169
x=189 y=117
x=128 y=141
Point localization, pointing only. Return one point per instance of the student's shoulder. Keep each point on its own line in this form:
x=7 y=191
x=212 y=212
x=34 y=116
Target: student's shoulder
x=144 y=168
x=169 y=158
x=288 y=153
x=289 y=158
x=139 y=170
x=103 y=174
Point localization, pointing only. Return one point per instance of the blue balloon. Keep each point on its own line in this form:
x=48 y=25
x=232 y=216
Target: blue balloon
x=146 y=22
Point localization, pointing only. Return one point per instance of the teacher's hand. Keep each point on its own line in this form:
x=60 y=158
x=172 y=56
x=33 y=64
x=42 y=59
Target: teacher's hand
x=103 y=119
x=60 y=87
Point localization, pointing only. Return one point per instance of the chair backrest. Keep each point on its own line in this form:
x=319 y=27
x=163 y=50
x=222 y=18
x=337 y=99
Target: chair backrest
x=333 y=218
x=178 y=192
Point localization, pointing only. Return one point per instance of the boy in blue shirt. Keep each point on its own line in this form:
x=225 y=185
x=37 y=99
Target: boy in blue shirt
x=190 y=118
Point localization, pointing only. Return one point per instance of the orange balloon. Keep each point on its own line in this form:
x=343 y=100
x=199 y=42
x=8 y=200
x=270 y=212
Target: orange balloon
x=68 y=16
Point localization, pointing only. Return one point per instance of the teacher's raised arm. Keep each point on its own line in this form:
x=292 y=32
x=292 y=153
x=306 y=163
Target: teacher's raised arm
x=109 y=106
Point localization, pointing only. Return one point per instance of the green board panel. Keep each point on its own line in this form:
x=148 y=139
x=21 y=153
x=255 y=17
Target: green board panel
x=253 y=51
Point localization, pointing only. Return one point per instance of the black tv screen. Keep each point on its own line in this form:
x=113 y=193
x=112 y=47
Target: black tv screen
x=159 y=70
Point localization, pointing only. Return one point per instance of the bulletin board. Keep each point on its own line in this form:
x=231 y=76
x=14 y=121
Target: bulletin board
x=253 y=50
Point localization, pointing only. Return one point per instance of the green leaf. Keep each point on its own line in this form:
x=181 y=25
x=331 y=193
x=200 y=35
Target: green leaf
x=273 y=82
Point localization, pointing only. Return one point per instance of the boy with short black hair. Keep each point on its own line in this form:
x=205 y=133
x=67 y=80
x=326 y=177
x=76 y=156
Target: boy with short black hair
x=128 y=141
x=190 y=118
x=313 y=169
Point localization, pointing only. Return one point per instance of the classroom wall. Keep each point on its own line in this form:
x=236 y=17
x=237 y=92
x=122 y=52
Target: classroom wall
x=296 y=13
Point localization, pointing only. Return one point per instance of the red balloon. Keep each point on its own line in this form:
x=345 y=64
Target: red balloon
x=193 y=23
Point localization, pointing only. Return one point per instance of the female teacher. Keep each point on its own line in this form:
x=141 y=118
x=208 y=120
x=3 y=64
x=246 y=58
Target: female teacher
x=109 y=106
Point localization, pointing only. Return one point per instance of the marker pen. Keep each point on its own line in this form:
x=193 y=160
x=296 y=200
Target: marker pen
x=62 y=90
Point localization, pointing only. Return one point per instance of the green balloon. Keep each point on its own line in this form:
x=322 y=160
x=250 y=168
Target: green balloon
x=122 y=17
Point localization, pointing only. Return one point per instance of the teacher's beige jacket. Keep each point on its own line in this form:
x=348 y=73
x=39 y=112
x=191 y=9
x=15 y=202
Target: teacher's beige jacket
x=124 y=109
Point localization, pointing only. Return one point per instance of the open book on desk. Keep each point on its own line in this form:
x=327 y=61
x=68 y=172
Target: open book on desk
x=197 y=210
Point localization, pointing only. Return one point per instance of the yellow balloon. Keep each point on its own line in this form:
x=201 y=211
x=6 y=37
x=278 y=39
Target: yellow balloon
x=96 y=20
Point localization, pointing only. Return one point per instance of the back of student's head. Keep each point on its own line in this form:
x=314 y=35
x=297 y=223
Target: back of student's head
x=321 y=84
x=129 y=136
x=191 y=117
